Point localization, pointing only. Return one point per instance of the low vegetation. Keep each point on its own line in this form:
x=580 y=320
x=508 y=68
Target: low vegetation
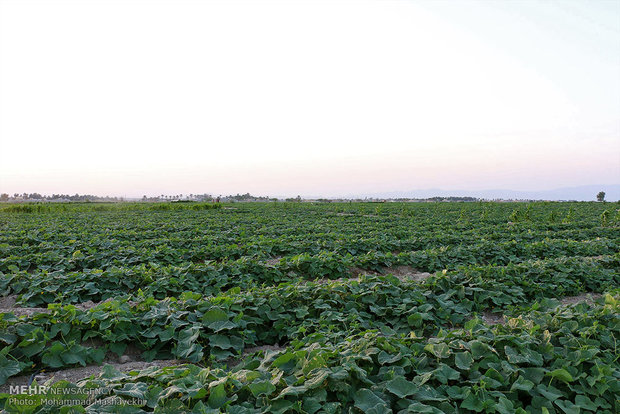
x=313 y=308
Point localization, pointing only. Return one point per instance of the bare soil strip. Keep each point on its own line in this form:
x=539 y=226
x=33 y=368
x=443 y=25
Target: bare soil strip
x=7 y=304
x=273 y=262
x=406 y=273
x=130 y=360
x=75 y=375
x=401 y=272
x=491 y=318
x=585 y=297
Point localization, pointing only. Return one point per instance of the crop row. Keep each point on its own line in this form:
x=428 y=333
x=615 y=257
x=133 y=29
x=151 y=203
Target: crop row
x=211 y=278
x=477 y=252
x=563 y=360
x=194 y=327
x=120 y=238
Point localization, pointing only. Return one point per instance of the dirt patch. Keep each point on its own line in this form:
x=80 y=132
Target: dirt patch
x=263 y=348
x=345 y=214
x=8 y=302
x=586 y=297
x=74 y=375
x=273 y=262
x=89 y=304
x=24 y=311
x=337 y=280
x=401 y=272
x=406 y=273
x=356 y=272
x=491 y=318
x=7 y=305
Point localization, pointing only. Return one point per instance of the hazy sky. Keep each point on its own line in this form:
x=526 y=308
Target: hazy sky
x=312 y=98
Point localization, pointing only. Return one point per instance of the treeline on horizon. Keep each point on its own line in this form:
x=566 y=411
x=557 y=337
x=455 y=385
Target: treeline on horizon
x=37 y=197
x=247 y=197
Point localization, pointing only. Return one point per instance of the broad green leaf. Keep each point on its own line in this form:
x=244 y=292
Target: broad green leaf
x=135 y=390
x=317 y=378
x=8 y=368
x=369 y=403
x=549 y=392
x=534 y=374
x=472 y=402
x=109 y=372
x=444 y=373
x=567 y=406
x=479 y=349
x=261 y=388
x=214 y=315
x=440 y=350
x=463 y=360
x=217 y=396
x=561 y=374
x=417 y=407
x=504 y=406
x=400 y=387
x=522 y=384
x=584 y=402
x=220 y=341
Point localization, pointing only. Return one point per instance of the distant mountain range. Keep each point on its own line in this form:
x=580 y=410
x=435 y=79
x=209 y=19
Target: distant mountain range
x=581 y=193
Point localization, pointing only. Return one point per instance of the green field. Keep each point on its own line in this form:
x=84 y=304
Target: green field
x=313 y=308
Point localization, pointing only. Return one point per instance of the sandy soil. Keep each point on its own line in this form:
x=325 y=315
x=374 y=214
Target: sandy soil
x=273 y=262
x=585 y=297
x=406 y=273
x=491 y=318
x=254 y=349
x=356 y=272
x=74 y=375
x=7 y=304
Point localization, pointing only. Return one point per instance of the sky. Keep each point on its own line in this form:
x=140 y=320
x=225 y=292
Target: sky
x=321 y=98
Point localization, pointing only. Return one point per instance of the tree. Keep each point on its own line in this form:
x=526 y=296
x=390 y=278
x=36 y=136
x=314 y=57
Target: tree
x=4 y=197
x=600 y=196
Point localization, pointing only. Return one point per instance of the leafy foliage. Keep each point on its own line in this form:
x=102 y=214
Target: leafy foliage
x=260 y=302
